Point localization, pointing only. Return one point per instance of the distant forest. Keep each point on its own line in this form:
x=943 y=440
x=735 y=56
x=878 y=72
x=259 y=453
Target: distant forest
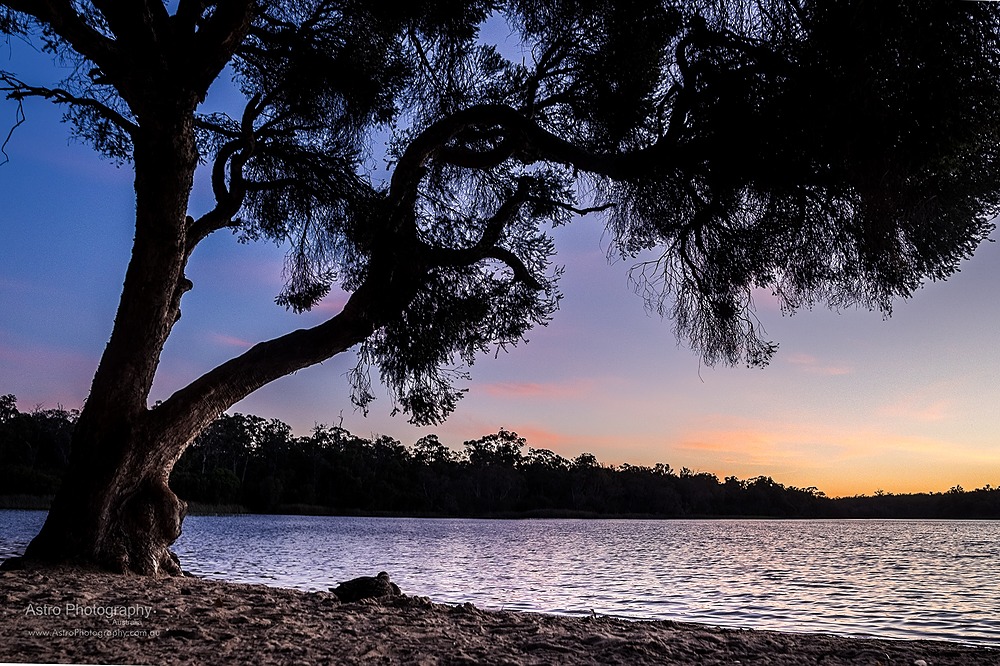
x=247 y=463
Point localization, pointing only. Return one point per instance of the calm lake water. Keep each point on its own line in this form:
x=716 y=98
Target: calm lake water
x=896 y=579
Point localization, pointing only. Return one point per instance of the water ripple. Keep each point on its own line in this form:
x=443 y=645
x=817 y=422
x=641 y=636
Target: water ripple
x=896 y=579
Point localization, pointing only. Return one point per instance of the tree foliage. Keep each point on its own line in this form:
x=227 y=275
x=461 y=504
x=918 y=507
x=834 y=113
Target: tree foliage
x=831 y=152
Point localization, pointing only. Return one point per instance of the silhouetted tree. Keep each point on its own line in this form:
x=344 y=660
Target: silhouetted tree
x=8 y=407
x=429 y=450
x=840 y=151
x=501 y=449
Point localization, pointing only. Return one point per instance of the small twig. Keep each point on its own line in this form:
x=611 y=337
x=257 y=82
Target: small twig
x=19 y=115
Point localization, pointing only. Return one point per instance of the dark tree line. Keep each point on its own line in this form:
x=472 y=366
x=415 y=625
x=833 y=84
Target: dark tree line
x=245 y=462
x=34 y=448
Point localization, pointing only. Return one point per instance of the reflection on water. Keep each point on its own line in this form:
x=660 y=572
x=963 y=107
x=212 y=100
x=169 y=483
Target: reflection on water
x=900 y=579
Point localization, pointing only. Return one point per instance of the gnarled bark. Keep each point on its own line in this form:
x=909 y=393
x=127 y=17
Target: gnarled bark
x=118 y=513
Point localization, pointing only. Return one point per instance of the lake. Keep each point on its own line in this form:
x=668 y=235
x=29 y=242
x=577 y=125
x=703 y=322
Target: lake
x=893 y=578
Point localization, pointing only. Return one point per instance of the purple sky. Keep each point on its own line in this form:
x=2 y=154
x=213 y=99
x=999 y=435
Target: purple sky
x=851 y=404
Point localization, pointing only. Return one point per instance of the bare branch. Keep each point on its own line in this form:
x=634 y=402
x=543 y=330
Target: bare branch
x=487 y=247
x=231 y=158
x=429 y=69
x=19 y=115
x=19 y=90
x=212 y=393
x=521 y=271
x=574 y=209
x=64 y=19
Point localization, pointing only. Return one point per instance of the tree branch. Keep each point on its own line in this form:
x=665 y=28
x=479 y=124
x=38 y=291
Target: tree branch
x=67 y=23
x=384 y=293
x=217 y=40
x=487 y=247
x=533 y=143
x=425 y=61
x=571 y=208
x=220 y=388
x=229 y=198
x=461 y=156
x=19 y=115
x=19 y=90
x=514 y=262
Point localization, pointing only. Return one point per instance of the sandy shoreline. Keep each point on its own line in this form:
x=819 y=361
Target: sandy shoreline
x=85 y=617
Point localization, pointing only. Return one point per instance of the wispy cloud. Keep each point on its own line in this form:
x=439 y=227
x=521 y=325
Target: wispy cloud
x=918 y=408
x=230 y=340
x=46 y=374
x=333 y=303
x=800 y=441
x=574 y=388
x=757 y=445
x=812 y=365
x=38 y=355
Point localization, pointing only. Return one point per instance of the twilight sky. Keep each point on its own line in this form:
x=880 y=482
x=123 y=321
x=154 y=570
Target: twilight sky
x=851 y=404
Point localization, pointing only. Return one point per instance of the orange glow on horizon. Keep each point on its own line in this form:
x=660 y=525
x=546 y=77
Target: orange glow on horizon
x=839 y=463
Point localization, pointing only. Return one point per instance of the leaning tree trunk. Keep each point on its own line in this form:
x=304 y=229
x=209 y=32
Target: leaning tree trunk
x=114 y=507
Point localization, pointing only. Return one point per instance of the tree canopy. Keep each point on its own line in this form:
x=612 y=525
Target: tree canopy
x=838 y=152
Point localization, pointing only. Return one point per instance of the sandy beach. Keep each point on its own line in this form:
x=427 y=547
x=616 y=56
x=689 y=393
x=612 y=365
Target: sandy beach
x=79 y=616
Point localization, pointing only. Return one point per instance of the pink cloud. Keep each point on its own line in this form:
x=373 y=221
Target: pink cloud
x=231 y=341
x=915 y=408
x=813 y=365
x=333 y=304
x=745 y=448
x=34 y=355
x=768 y=442
x=556 y=390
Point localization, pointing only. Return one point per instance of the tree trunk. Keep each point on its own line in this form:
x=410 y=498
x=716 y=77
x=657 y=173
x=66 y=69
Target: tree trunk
x=114 y=507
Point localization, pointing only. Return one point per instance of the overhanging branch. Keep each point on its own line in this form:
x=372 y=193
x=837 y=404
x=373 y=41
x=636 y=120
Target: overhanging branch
x=532 y=143
x=381 y=296
x=230 y=159
x=19 y=90
x=70 y=25
x=19 y=120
